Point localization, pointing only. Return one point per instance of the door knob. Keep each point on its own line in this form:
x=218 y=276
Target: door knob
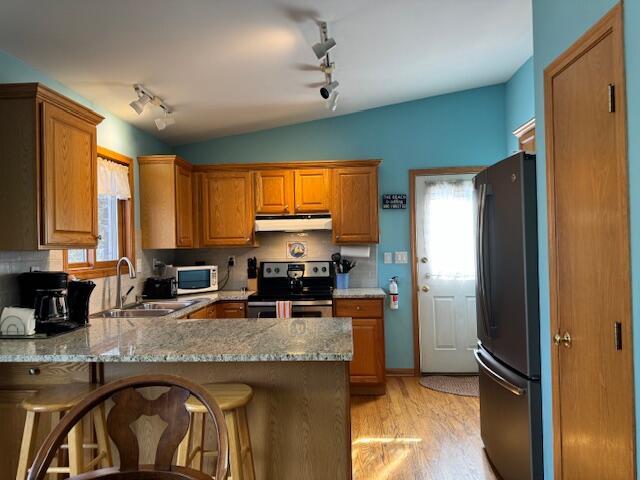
x=423 y=259
x=425 y=288
x=564 y=339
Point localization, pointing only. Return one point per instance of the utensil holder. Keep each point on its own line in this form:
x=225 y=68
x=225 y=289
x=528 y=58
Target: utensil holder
x=342 y=280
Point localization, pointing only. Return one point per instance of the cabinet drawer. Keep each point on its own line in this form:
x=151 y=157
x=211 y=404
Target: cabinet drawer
x=358 y=308
x=231 y=310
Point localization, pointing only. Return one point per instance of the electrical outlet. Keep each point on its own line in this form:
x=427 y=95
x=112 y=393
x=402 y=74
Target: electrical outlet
x=388 y=257
x=231 y=261
x=402 y=257
x=139 y=264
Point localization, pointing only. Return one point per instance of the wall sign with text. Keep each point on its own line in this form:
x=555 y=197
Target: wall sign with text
x=394 y=201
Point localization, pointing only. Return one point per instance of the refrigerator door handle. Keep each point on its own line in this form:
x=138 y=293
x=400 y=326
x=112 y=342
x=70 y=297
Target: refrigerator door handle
x=480 y=259
x=496 y=377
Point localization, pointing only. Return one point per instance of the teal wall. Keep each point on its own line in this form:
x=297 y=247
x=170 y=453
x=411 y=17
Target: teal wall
x=464 y=128
x=519 y=102
x=113 y=133
x=556 y=25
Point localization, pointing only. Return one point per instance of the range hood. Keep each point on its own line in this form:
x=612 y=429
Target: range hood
x=292 y=223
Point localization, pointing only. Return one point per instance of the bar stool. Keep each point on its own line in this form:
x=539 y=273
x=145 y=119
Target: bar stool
x=232 y=399
x=56 y=400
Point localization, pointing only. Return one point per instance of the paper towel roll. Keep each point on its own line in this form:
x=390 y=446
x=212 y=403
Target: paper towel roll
x=361 y=251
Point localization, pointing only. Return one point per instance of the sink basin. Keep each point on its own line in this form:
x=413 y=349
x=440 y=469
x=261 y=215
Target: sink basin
x=172 y=306
x=147 y=309
x=115 y=313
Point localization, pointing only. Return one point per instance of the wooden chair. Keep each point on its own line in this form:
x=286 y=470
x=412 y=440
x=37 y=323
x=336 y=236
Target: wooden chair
x=129 y=406
x=232 y=398
x=55 y=401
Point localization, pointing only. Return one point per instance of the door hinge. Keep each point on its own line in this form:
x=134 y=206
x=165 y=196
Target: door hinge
x=612 y=98
x=617 y=335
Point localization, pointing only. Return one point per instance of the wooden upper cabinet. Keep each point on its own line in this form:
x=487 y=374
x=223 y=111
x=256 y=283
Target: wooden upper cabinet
x=48 y=161
x=184 y=206
x=355 y=205
x=69 y=166
x=226 y=208
x=166 y=202
x=312 y=190
x=274 y=191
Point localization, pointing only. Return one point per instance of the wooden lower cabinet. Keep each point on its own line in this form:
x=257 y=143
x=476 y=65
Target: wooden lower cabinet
x=231 y=310
x=223 y=309
x=367 y=369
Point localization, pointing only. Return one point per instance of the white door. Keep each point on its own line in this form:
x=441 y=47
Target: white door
x=445 y=250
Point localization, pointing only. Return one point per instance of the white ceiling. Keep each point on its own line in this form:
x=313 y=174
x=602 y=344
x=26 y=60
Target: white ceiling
x=232 y=66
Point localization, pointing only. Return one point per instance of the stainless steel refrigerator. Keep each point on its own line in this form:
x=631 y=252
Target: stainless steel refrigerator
x=508 y=352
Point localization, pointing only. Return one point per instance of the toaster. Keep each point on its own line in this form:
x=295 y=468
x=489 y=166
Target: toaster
x=159 y=288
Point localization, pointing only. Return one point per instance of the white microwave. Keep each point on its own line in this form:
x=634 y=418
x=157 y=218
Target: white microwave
x=198 y=279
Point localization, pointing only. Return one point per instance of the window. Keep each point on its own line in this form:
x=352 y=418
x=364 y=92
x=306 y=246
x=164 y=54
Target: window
x=449 y=229
x=115 y=220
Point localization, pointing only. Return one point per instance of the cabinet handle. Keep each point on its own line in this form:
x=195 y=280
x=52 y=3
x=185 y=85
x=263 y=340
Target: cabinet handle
x=34 y=371
x=286 y=207
x=358 y=307
x=337 y=237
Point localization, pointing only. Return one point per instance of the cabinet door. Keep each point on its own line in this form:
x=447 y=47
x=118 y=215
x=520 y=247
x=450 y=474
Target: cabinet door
x=231 y=310
x=367 y=366
x=184 y=207
x=274 y=191
x=227 y=212
x=69 y=194
x=355 y=205
x=312 y=190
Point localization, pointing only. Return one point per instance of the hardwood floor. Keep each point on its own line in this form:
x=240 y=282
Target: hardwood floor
x=414 y=433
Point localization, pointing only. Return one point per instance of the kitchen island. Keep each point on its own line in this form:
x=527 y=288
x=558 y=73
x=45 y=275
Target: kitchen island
x=298 y=368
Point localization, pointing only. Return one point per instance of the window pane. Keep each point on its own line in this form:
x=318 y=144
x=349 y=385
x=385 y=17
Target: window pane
x=107 y=248
x=76 y=256
x=449 y=229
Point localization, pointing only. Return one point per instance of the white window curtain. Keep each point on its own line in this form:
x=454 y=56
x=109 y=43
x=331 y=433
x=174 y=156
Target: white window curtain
x=113 y=179
x=449 y=230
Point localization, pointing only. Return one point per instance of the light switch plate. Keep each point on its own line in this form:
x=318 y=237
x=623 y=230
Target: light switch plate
x=388 y=257
x=402 y=257
x=139 y=264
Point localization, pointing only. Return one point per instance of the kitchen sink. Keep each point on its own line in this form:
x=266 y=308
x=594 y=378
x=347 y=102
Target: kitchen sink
x=147 y=309
x=115 y=313
x=172 y=306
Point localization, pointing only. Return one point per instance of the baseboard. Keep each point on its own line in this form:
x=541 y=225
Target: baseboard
x=400 y=372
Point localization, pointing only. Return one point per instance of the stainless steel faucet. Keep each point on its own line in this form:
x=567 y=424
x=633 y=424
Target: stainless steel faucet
x=132 y=274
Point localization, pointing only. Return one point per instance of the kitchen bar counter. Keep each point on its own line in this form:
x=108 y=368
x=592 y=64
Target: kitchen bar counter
x=167 y=339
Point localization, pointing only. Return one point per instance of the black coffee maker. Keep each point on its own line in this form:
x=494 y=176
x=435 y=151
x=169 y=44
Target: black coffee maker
x=60 y=305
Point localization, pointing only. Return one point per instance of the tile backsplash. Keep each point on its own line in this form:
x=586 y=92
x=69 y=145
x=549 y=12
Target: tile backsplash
x=273 y=247
x=103 y=296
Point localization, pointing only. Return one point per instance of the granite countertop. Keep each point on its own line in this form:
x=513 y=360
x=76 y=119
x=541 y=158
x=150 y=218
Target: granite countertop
x=166 y=339
x=359 y=293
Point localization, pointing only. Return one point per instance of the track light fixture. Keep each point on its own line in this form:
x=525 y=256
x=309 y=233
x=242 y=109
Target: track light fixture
x=165 y=121
x=328 y=90
x=332 y=104
x=144 y=98
x=321 y=49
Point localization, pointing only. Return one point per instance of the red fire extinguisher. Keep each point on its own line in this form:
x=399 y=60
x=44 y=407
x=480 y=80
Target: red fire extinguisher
x=393 y=293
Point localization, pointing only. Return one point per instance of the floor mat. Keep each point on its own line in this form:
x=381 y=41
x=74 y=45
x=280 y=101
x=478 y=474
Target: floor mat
x=465 y=385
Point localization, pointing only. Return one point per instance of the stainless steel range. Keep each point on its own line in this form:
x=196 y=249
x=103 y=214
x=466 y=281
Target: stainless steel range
x=308 y=285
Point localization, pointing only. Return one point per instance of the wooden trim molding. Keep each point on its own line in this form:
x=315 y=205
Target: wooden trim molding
x=38 y=90
x=401 y=372
x=164 y=159
x=525 y=128
x=611 y=23
x=414 y=260
x=288 y=165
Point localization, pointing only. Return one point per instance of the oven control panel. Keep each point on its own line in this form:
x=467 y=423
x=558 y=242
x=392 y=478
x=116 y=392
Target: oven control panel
x=308 y=269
